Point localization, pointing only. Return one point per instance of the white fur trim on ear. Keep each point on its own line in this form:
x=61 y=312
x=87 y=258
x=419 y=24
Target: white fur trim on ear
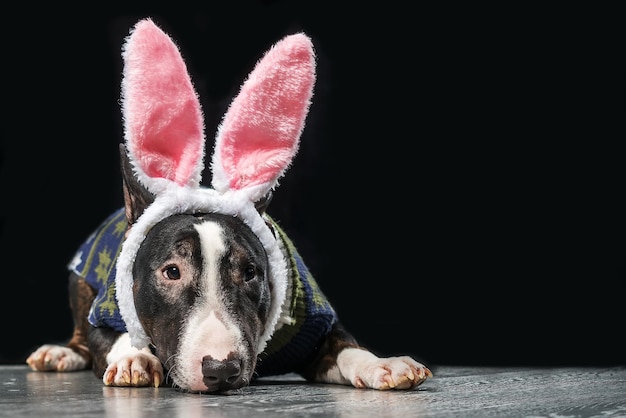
x=188 y=200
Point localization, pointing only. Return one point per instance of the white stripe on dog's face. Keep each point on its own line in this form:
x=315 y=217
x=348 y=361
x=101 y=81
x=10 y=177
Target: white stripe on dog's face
x=208 y=331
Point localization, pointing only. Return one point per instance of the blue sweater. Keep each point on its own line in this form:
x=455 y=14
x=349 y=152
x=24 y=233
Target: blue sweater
x=290 y=347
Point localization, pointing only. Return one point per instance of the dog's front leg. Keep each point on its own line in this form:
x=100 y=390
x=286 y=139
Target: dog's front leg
x=118 y=363
x=363 y=369
x=74 y=355
x=341 y=360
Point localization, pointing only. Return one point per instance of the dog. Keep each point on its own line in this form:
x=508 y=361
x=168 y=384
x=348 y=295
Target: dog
x=198 y=287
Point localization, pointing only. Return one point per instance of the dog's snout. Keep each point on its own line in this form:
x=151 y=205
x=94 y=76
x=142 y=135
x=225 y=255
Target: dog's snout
x=222 y=375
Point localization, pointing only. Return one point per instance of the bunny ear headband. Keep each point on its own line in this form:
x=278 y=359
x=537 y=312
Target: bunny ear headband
x=255 y=143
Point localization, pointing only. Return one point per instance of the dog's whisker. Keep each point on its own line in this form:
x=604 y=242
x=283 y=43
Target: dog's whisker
x=172 y=358
x=170 y=370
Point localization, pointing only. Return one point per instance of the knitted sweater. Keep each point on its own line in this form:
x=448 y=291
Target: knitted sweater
x=293 y=343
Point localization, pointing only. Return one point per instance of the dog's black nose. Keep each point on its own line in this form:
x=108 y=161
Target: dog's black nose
x=222 y=375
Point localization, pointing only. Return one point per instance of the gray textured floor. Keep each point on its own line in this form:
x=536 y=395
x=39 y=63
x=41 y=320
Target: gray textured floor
x=454 y=391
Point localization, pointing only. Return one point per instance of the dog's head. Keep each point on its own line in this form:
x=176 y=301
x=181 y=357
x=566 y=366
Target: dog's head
x=201 y=278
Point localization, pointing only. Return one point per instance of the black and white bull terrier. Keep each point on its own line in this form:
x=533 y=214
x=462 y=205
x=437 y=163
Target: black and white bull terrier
x=197 y=287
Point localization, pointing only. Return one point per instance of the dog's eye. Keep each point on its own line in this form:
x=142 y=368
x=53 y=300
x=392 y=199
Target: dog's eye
x=249 y=273
x=171 y=273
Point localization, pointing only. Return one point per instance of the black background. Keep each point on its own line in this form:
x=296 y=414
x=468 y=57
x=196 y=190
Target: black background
x=457 y=193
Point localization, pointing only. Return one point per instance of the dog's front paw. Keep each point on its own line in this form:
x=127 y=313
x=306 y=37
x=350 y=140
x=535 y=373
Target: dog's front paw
x=137 y=369
x=365 y=370
x=50 y=357
x=392 y=373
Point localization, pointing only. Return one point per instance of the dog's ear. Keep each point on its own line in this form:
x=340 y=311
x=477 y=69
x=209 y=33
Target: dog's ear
x=262 y=204
x=259 y=135
x=136 y=197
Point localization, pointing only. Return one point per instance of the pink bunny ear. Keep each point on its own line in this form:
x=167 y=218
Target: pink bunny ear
x=163 y=120
x=260 y=133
